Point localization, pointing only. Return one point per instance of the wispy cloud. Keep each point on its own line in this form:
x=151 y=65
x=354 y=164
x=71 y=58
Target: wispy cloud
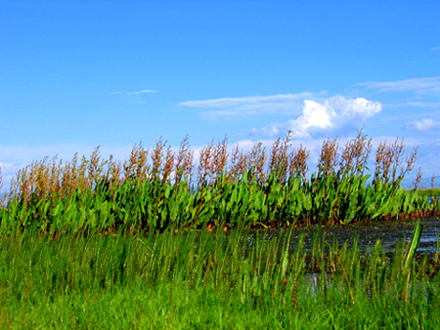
x=253 y=105
x=142 y=92
x=424 y=124
x=435 y=48
x=433 y=90
x=424 y=104
x=334 y=115
x=418 y=85
x=133 y=93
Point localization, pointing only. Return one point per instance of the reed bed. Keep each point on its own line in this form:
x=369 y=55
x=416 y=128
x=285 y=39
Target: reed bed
x=160 y=189
x=203 y=280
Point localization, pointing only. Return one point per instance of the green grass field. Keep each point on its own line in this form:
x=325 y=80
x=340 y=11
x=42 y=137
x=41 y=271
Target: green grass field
x=211 y=280
x=429 y=192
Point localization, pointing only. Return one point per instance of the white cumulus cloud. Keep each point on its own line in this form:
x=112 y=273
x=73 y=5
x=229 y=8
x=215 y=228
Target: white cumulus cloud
x=337 y=115
x=424 y=124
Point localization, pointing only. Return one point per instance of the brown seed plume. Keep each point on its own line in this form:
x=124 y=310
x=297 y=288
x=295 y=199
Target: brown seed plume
x=328 y=158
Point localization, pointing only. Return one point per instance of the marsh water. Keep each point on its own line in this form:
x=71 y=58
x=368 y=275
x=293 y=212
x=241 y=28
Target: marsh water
x=390 y=233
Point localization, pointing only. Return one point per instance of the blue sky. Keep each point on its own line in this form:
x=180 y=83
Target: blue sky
x=78 y=74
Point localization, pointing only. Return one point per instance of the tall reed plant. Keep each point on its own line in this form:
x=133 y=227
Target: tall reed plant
x=158 y=189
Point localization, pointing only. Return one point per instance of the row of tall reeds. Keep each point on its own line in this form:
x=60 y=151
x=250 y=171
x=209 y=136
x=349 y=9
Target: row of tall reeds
x=199 y=280
x=265 y=187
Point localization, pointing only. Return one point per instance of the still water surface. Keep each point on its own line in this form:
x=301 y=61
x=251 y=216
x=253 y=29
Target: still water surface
x=390 y=233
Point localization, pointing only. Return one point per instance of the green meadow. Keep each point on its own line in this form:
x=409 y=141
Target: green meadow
x=212 y=280
x=429 y=192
